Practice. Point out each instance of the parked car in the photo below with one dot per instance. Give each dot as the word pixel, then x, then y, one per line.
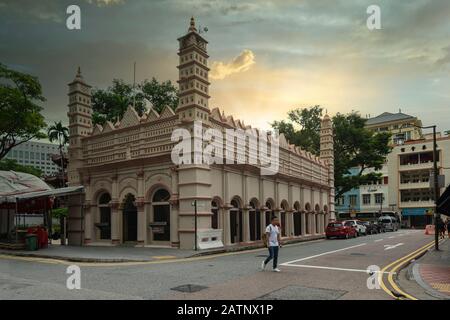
pixel 389 223
pixel 379 226
pixel 358 225
pixel 340 229
pixel 371 228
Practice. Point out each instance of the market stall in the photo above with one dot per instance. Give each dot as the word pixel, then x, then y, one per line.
pixel 24 197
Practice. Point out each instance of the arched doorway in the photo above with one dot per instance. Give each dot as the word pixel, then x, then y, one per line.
pixel 255 220
pixel 161 215
pixel 307 220
pixel 104 224
pixel 269 211
pixel 129 218
pixel 236 234
pixel 297 220
pixel 215 214
pixel 317 218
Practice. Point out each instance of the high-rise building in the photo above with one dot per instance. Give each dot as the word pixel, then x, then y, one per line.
pixel 36 154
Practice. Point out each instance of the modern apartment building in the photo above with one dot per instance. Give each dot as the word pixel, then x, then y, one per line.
pixel 36 154
pixel 410 167
pixel 402 126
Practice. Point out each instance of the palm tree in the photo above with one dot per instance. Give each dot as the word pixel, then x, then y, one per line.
pixel 60 133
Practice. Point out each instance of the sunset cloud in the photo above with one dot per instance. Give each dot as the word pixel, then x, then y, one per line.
pixel 241 63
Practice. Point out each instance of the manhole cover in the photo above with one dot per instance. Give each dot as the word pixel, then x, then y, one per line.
pixel 189 288
pixel 303 293
pixel 357 254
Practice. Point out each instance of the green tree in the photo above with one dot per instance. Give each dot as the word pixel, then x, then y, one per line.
pixel 20 114
pixel 59 133
pixel 12 165
pixel 160 94
pixel 354 145
pixel 111 104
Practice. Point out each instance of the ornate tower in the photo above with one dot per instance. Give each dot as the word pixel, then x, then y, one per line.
pixel 194 182
pixel 327 154
pixel 193 76
pixel 80 124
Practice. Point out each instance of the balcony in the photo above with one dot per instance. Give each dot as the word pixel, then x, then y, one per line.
pixel 416 166
pixel 414 185
pixel 416 204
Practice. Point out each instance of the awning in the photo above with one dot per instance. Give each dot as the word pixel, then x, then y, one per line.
pixel 47 193
pixel 443 203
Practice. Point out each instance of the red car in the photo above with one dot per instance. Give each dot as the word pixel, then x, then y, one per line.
pixel 340 230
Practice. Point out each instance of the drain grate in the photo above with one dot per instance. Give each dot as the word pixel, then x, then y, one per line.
pixel 189 288
pixel 303 293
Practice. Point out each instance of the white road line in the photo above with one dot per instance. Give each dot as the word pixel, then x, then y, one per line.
pixel 331 268
pixel 392 246
pixel 378 240
pixel 391 237
pixel 322 254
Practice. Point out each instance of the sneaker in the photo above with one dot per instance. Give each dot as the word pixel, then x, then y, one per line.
pixel 263 266
pixel 276 270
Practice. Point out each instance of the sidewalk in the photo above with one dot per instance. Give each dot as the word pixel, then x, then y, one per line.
pixel 432 271
pixel 103 253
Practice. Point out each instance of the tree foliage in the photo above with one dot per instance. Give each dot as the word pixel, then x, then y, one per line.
pixel 354 145
pixel 12 165
pixel 110 104
pixel 58 132
pixel 20 114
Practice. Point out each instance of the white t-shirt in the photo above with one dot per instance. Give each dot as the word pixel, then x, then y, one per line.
pixel 273 231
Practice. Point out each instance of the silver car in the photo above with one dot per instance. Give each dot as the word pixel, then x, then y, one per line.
pixel 389 223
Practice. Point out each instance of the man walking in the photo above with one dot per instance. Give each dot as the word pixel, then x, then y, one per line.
pixel 273 244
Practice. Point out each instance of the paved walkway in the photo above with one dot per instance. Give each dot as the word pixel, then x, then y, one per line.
pixel 104 253
pixel 432 271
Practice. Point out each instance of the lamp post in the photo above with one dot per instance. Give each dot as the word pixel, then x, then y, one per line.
pixel 435 182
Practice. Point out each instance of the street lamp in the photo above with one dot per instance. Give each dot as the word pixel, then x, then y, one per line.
pixel 435 181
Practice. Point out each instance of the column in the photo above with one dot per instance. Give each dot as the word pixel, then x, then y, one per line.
pixel 142 223
pixel 246 224
pixel 303 223
pixel 291 224
pixel 115 216
pixel 226 226
pixel 174 209
pixel 263 226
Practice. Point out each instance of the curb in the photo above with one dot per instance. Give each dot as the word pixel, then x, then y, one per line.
pixel 198 254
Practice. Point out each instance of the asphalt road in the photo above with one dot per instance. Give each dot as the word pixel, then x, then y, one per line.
pixel 322 269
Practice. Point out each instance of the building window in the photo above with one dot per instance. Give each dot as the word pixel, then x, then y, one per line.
pixel 378 198
pixel 366 198
pixel 352 199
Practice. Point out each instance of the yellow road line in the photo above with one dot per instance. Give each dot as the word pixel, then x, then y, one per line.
pixel 399 261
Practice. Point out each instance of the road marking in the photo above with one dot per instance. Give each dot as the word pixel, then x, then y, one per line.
pixel 330 268
pixel 405 258
pixel 378 240
pixel 322 254
pixel 391 237
pixel 392 246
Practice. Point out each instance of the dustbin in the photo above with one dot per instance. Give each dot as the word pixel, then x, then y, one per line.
pixel 31 242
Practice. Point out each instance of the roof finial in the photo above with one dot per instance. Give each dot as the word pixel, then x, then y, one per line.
pixel 192 26
pixel 79 72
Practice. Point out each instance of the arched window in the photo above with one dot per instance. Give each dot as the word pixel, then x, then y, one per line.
pixel 104 224
pixel 236 233
pixel 161 215
pixel 255 220
pixel 215 215
pixel 297 219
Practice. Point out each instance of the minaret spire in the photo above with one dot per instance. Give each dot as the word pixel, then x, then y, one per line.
pixel 192 25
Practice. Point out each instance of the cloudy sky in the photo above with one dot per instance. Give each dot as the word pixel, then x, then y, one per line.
pixel 267 56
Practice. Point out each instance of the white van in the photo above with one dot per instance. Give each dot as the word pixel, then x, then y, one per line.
pixel 389 223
